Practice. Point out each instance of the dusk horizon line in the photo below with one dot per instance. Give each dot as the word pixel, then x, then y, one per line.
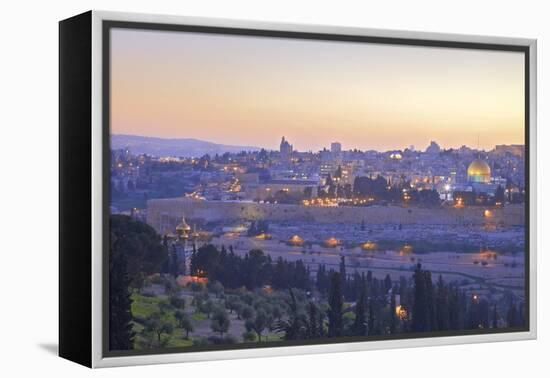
pixel 313 151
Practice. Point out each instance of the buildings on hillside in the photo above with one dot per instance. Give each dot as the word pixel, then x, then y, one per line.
pixel 288 175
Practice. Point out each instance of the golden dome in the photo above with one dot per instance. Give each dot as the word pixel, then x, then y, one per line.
pixel 479 171
pixel 183 226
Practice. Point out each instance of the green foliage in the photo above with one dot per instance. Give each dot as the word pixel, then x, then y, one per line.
pixel 135 252
pixel 121 334
pixel 199 298
pixel 206 307
pixel 336 303
pixel 295 326
pixel 258 323
pixel 186 324
pixel 177 302
pixel 423 300
pixel 157 330
pixel 231 302
pixel 246 312
pixel 143 306
pixel 198 316
pixel 215 287
pixel 141 246
pixel 315 328
pixel 253 270
pixel 360 321
pixel 220 322
pixel 359 305
pixel 249 336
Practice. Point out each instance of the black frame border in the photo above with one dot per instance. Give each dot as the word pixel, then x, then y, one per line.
pixel 108 25
pixel 75 189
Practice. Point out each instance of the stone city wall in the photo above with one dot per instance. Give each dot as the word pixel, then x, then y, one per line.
pixel 163 214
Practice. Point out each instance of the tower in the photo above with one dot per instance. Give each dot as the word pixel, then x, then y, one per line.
pixel 285 149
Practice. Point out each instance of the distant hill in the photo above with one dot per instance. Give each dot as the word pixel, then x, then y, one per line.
pixel 184 147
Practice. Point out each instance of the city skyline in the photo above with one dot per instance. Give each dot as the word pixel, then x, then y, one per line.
pixel 327 147
pixel 371 97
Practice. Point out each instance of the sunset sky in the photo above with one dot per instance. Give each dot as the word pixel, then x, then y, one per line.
pixel 243 90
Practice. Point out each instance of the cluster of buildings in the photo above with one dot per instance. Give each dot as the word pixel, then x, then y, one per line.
pixel 194 200
pixel 461 176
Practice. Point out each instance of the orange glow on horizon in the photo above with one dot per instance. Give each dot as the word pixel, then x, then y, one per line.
pixel 246 90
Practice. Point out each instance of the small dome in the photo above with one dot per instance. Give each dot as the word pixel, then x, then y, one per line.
pixel 331 242
pixel 479 171
pixel 295 240
pixel 369 245
pixel 183 226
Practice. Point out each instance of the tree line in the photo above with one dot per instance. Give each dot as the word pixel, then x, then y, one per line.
pixel 325 303
pixel 424 306
pixel 253 270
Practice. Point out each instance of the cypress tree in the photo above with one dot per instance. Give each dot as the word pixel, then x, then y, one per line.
pixel 369 276
pixel 321 279
pixel 371 330
pixel 495 317
pixel 336 303
pixel 360 324
pixel 121 334
pixel 313 322
pixel 512 316
pixel 430 301
pixel 165 268
pixel 454 309
pixel 343 276
pixel 442 305
pixel 387 283
pixel 420 317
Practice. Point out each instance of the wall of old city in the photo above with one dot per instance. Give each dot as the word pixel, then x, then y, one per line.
pixel 163 214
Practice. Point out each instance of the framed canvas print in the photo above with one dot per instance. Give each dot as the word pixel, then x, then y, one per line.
pixel 238 189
